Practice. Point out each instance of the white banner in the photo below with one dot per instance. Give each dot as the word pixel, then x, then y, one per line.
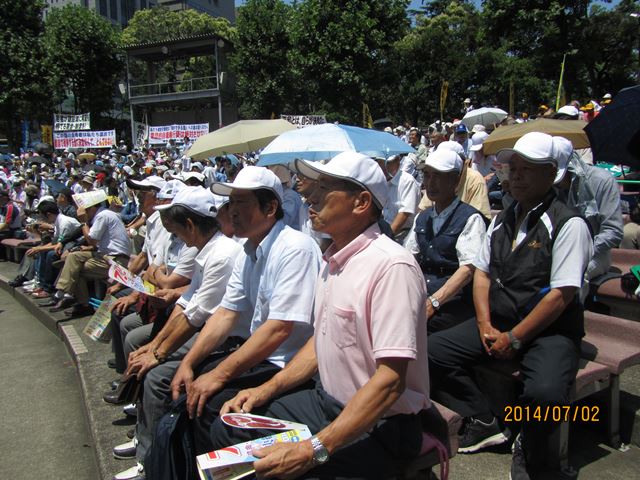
pixel 177 132
pixel 304 120
pixel 141 132
pixel 97 139
pixel 67 123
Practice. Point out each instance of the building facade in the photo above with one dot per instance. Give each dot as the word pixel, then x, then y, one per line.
pixel 119 12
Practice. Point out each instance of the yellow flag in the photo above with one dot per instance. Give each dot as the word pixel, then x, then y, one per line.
pixel 367 121
pixel 47 134
pixel 444 91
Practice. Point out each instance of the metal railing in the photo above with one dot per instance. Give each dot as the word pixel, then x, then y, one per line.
pixel 162 88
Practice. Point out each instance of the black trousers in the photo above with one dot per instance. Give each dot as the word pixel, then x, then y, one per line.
pixel 451 314
pixel 548 366
pixel 381 453
pixel 253 377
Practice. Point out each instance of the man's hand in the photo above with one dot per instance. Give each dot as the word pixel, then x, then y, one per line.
pixel 141 364
pixel 58 249
pixel 141 351
pixel 164 297
pixel 488 335
pixel 284 460
pixel 181 380
pixel 120 306
pixel 113 289
pixel 501 347
pixel 430 309
pixel 81 214
pixel 33 251
pixel 200 391
pixel 246 400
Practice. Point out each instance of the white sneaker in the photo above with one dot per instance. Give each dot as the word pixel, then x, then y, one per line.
pixel 133 473
pixel 131 409
pixel 127 450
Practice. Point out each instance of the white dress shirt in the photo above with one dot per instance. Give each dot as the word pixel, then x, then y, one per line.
pixel 109 231
pixel 276 281
pixel 404 196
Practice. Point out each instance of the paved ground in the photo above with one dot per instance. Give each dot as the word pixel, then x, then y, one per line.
pixel 44 432
pixel 46 435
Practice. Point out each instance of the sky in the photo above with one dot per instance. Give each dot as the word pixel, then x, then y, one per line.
pixel 416 4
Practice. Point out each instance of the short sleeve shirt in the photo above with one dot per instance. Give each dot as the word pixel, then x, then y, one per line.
pixel 370 305
pixel 109 231
pixel 276 281
pixel 404 196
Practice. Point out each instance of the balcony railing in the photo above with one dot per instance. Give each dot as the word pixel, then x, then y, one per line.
pixel 183 86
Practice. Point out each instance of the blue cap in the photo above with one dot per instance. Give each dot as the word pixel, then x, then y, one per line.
pixel 461 128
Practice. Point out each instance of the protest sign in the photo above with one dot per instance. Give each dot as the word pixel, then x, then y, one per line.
pixel 163 134
pixel 89 199
pixel 304 120
pixel 125 277
pixel 89 139
pixel 98 327
pixel 68 123
pixel 236 462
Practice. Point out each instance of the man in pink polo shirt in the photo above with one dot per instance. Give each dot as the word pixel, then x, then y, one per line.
pixel 369 345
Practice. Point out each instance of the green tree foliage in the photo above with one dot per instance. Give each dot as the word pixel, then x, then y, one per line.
pixel 23 93
pixel 82 59
pixel 159 24
pixel 340 52
pixel 264 84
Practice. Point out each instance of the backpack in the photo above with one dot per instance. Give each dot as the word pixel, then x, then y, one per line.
pixel 172 455
pixel 629 282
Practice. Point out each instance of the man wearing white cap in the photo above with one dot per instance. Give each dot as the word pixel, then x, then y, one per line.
pixel 105 238
pixel 192 216
pixel 372 370
pixel 595 193
pixel 272 285
pixel 528 275
pixel 445 239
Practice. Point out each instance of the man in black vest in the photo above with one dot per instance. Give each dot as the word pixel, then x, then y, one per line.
pixel 527 276
pixel 445 239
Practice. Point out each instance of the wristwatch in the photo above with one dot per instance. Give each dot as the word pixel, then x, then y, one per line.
pixel 157 356
pixel 515 343
pixel 434 302
pixel 320 452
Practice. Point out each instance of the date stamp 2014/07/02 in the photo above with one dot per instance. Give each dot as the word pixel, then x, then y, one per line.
pixel 555 413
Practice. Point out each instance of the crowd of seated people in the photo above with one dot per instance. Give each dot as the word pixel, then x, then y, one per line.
pixel 329 294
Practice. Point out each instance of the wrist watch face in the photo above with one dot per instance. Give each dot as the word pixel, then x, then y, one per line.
pixel 320 452
pixel 435 302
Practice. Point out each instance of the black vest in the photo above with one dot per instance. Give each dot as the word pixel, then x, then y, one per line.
pixel 438 257
pixel 520 278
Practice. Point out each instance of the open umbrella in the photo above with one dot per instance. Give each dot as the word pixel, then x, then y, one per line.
pixel 615 132
pixel 507 136
pixel 39 160
pixel 88 156
pixel 240 137
pixel 322 142
pixel 55 186
pixel 485 116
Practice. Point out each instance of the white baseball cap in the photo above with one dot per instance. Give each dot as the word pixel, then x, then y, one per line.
pixel 197 199
pixel 351 166
pixel 478 140
pixel 251 178
pixel 478 128
pixel 535 147
pixel 170 189
pixel 152 182
pixel 564 149
pixel 452 146
pixel 444 161
pixel 569 110
pixel 184 176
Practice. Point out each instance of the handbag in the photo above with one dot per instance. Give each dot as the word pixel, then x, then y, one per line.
pixel 129 390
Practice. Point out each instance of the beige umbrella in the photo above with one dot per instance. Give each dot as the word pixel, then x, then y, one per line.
pixel 87 156
pixel 240 137
pixel 506 136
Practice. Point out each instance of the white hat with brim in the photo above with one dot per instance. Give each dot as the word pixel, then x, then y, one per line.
pixel 444 161
pixel 478 141
pixel 152 182
pixel 452 146
pixel 535 147
pixel 189 175
pixel 251 178
pixel 197 199
pixel 170 189
pixel 353 167
pixel 564 150
pixel 569 110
